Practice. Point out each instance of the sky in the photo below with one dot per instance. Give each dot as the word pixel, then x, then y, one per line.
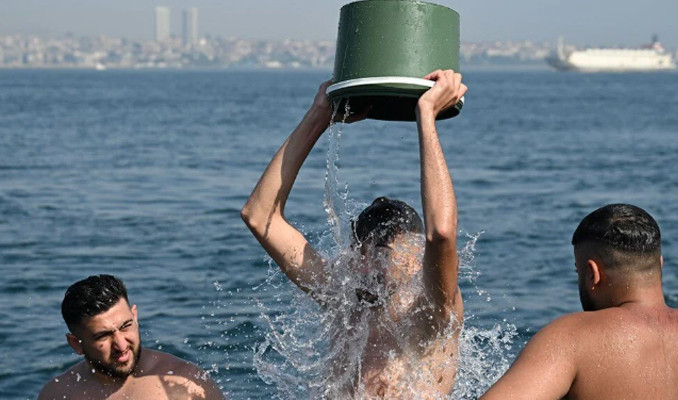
pixel 580 22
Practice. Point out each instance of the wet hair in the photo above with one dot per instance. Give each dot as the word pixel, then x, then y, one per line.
pixel 91 296
pixel 383 220
pixel 622 234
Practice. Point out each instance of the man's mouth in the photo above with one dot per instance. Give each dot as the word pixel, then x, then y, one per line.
pixel 124 356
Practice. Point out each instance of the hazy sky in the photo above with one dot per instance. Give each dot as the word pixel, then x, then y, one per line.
pixel 592 22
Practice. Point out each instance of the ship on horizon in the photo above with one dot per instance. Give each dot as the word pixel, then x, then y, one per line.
pixel 650 57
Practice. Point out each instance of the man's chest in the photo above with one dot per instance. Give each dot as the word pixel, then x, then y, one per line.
pixel 396 367
pixel 160 387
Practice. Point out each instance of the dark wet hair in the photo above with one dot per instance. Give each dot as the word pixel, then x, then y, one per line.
pixel 621 228
pixel 91 296
pixel 383 220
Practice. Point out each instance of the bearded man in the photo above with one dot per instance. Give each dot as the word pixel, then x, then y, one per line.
pixel 103 328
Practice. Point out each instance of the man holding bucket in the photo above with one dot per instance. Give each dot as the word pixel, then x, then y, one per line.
pixel 420 360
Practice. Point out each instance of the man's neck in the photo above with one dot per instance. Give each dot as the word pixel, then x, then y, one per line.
pixel 104 379
pixel 115 381
pixel 647 296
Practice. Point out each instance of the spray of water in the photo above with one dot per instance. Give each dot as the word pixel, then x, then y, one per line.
pixel 485 353
pixel 318 348
pixel 335 201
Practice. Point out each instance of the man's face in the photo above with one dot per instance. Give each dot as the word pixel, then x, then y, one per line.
pixel 397 261
pixel 110 341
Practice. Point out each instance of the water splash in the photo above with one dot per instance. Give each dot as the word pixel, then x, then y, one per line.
pixel 485 353
pixel 335 202
pixel 316 349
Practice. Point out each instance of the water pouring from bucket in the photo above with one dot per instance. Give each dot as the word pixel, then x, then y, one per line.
pixel 385 48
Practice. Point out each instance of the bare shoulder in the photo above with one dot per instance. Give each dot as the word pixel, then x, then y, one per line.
pixel 182 375
pixel 562 334
pixel 609 320
pixel 62 386
pixel 54 389
pixel 579 326
pixel 586 329
pixel 586 321
pixel 551 354
pixel 566 325
pixel 568 336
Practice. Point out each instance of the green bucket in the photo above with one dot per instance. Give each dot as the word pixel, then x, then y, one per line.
pixel 384 48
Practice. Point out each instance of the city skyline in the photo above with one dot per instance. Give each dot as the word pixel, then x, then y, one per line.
pixel 103 52
pixel 603 23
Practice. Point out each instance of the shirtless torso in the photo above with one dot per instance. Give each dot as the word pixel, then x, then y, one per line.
pixel 418 361
pixel 396 351
pixel 158 376
pixel 623 345
pixel 625 352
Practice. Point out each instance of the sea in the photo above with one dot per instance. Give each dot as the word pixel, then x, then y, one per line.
pixel 142 174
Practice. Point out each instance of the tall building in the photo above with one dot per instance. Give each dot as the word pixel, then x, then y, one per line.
pixel 190 26
pixel 162 24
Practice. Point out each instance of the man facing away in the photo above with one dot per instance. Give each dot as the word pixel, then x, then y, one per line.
pixel 623 346
pixel 420 360
pixel 104 329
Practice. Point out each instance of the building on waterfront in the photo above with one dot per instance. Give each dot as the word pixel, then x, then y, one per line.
pixel 162 23
pixel 190 26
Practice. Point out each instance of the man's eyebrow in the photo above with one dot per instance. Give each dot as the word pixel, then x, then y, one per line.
pixel 103 333
pixel 129 321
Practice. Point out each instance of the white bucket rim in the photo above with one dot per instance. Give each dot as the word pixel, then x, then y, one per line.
pixel 380 80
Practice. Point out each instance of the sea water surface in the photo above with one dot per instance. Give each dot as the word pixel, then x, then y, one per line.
pixel 142 174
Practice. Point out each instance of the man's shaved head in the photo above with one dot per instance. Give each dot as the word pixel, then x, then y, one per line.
pixel 623 236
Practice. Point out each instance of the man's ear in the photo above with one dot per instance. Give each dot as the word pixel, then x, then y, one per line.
pixel 75 343
pixel 661 262
pixel 594 271
pixel 134 313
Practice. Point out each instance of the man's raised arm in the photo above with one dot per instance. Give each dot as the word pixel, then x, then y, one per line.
pixel 264 211
pixel 441 264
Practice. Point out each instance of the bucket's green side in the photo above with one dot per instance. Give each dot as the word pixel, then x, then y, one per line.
pixel 395 38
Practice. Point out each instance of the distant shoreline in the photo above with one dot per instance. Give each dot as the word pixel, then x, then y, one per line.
pixel 471 67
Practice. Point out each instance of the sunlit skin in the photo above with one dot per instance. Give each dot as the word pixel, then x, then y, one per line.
pixel 386 376
pixel 621 347
pixel 117 367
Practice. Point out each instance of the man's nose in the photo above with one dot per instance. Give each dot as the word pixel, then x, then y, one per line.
pixel 119 341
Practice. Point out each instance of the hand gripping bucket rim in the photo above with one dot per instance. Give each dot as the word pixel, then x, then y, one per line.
pixel 420 83
pixel 384 47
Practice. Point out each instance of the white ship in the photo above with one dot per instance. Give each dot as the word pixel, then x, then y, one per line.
pixel 651 57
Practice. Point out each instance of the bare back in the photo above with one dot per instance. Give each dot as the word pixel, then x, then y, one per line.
pixel 627 353
pixel 623 352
